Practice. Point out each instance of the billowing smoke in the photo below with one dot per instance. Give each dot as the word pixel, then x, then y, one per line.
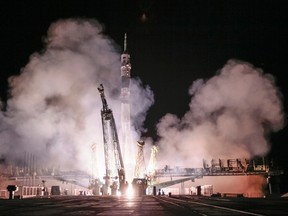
pixel 230 116
pixel 54 109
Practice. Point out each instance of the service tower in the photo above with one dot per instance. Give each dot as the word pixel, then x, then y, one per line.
pixel 128 146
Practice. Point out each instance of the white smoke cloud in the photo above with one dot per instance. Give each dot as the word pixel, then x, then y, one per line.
pixel 54 109
pixel 230 116
pixel 140 108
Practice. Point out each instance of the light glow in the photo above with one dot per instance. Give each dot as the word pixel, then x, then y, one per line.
pixel 130 191
pixel 118 193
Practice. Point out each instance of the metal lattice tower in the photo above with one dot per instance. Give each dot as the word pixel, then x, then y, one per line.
pixel 152 165
pixel 115 175
pixel 140 168
pixel 152 161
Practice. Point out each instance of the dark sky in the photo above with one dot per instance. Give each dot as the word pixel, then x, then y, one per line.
pixel 178 42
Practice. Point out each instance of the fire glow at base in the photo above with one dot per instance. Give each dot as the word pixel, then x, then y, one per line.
pixel 182 140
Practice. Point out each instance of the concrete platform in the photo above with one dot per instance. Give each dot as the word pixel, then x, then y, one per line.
pixel 87 205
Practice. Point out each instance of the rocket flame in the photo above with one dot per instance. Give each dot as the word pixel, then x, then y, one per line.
pixel 54 109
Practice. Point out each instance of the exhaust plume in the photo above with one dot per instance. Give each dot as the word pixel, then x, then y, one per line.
pixel 230 116
pixel 54 109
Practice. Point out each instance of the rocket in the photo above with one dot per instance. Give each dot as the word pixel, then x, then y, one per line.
pixel 125 73
pixel 128 147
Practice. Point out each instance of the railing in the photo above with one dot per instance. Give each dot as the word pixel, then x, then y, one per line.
pixel 203 172
pixel 29 191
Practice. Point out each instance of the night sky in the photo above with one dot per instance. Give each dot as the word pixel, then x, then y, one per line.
pixel 171 43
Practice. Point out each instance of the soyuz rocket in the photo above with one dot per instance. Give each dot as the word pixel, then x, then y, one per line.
pixel 125 73
pixel 128 147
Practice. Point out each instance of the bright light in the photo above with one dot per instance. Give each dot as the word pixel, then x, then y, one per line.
pixel 130 191
pixel 118 193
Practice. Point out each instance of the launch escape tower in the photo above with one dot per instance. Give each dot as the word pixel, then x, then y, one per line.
pixel 115 173
pixel 129 152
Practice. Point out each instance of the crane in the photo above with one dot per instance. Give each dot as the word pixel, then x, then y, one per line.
pixel 115 172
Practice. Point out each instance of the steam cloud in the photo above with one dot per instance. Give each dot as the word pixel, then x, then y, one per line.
pixel 54 109
pixel 230 117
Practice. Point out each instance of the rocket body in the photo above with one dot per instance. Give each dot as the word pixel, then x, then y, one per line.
pixel 129 151
pixel 125 74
